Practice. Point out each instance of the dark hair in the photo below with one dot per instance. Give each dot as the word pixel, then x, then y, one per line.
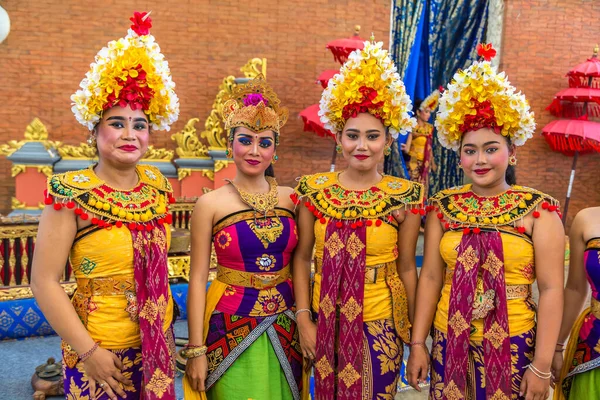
pixel 270 171
pixel 417 104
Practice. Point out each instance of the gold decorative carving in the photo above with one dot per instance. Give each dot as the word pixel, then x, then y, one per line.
pixel 82 152
pixel 17 169
pixel 35 132
pixel 179 267
pixel 182 206
pixel 45 169
pixel 24 292
pixel 209 173
pixel 24 262
pixel 188 143
pixel 16 204
pixel 220 164
pixel 12 262
pixel 254 67
pixel 183 173
pixel 17 231
pixel 213 126
pixel 158 154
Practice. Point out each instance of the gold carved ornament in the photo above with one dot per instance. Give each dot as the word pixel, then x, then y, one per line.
pixel 82 152
pixel 158 154
pixel 188 143
pixel 35 132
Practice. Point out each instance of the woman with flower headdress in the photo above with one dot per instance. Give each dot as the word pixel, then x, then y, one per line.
pixel 490 242
pixel 580 372
pixel 109 221
pixel 364 227
pixel 418 144
pixel 243 341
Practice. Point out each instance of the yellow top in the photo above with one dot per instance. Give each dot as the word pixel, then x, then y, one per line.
pixel 419 142
pixel 105 299
pixel 519 270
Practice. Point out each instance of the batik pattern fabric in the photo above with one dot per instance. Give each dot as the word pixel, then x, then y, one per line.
pixel 120 306
pixel 421 154
pixel 582 355
pixel 358 296
pixel 521 353
pixel 253 296
pixel 485 304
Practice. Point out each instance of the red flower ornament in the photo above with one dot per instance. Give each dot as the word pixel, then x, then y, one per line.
pixel 141 23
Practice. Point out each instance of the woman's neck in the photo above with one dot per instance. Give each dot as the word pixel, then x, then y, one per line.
pixel 251 183
pixel 420 122
pixel 359 180
pixel 123 177
pixel 490 190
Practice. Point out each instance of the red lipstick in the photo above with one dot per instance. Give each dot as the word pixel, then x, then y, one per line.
pixel 253 162
pixel 482 171
pixel 361 157
pixel 128 147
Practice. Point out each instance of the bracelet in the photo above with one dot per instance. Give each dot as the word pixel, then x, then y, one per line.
pixel 88 354
pixel 303 310
pixel 193 351
pixel 422 344
pixel 559 350
pixel 538 373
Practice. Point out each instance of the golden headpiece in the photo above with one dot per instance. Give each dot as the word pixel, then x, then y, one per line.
pixel 131 72
pixel 480 97
pixel 367 82
pixel 254 105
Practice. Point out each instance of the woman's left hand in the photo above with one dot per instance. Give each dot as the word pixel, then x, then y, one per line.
pixel 534 388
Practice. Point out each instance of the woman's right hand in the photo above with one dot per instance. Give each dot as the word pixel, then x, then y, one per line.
pixel 103 369
pixel 308 336
pixel 417 366
pixel 196 370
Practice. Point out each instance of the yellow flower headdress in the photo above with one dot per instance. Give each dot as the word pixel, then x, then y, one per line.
pixel 480 97
pixel 254 105
pixel 130 71
pixel 367 82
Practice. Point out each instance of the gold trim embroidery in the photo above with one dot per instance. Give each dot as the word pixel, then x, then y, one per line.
pixel 493 264
pixel 327 306
pixel 149 312
pixel 323 367
pixel 496 335
pixel 499 395
pixel 349 375
pixel 159 383
pixel 458 323
pixel 468 258
pixel 351 309
pixel 452 392
pixel 334 244
pixel 354 245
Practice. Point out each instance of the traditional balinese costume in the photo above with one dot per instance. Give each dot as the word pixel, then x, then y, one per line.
pixel 357 294
pixel 249 327
pixel 581 368
pixel 484 327
pixel 120 260
pixel 420 152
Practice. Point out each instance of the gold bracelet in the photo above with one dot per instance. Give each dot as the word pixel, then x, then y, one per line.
pixel 193 352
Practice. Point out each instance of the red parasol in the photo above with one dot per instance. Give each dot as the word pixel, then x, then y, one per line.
pixel 341 48
pixel 312 122
pixel 568 136
pixel 582 99
pixel 326 75
pixel 570 102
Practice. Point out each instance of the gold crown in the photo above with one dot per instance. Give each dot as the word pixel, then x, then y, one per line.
pixel 255 106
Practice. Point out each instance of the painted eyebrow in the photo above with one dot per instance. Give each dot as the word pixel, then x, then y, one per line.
pixel 250 136
pixel 485 144
pixel 119 118
pixel 358 131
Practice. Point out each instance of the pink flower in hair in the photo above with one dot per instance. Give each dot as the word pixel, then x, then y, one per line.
pixel 254 98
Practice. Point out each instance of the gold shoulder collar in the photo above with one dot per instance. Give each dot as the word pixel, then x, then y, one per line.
pixel 406 191
pixel 461 206
pixel 152 176
pixel 73 183
pixel 311 183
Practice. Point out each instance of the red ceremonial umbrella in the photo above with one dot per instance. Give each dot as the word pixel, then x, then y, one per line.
pixel 312 122
pixel 576 135
pixel 341 48
pixel 326 75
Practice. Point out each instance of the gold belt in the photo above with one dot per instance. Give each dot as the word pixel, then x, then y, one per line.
pixel 595 308
pixel 256 280
pixel 110 286
pixel 373 273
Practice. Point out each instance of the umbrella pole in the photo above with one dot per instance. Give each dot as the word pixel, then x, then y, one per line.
pixel 333 157
pixel 571 179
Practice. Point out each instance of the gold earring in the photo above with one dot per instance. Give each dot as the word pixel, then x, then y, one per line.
pixel 512 160
pixel 92 140
pixel 387 150
pixel 338 149
pixel 228 153
pixel 459 164
pixel 275 158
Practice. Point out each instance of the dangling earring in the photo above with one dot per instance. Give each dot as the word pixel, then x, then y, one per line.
pixel 459 164
pixel 387 150
pixel 275 158
pixel 512 160
pixel 92 140
pixel 228 153
pixel 338 149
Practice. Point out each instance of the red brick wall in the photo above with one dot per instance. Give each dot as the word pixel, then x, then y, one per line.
pixel 52 43
pixel 543 40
